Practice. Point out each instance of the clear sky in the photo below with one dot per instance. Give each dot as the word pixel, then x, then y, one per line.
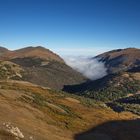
pixel 73 27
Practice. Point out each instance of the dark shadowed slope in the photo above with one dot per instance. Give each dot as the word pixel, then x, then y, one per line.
pixel 113 130
pixel 108 88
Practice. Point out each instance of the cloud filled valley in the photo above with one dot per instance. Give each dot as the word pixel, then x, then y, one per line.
pixel 89 67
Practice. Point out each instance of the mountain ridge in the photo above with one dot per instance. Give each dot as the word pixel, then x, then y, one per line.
pixel 33 105
pixel 120 59
pixel 30 51
pixel 122 79
pixel 40 66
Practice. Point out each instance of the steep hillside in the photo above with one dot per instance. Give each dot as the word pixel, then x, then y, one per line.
pixel 123 76
pixel 113 130
pixel 3 51
pixel 30 112
pixel 110 87
pixel 121 59
pixel 40 66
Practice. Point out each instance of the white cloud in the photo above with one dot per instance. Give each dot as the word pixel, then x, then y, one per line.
pixel 91 68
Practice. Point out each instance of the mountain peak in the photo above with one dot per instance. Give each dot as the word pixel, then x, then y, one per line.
pixel 120 59
pixel 32 52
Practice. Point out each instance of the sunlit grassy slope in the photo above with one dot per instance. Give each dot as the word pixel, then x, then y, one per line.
pixel 43 114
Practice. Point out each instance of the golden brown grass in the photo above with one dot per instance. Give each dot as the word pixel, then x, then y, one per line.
pixel 46 114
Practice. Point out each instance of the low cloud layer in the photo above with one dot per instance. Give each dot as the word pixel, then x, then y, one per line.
pixel 91 68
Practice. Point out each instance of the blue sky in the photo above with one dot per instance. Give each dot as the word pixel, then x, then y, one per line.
pixel 70 27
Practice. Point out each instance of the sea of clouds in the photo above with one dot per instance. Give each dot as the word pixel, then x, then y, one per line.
pixel 89 67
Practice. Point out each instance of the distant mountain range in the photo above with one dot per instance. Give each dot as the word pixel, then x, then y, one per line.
pixel 43 67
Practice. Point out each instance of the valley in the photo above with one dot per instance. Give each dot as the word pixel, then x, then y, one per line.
pixel 70 70
pixel 42 98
